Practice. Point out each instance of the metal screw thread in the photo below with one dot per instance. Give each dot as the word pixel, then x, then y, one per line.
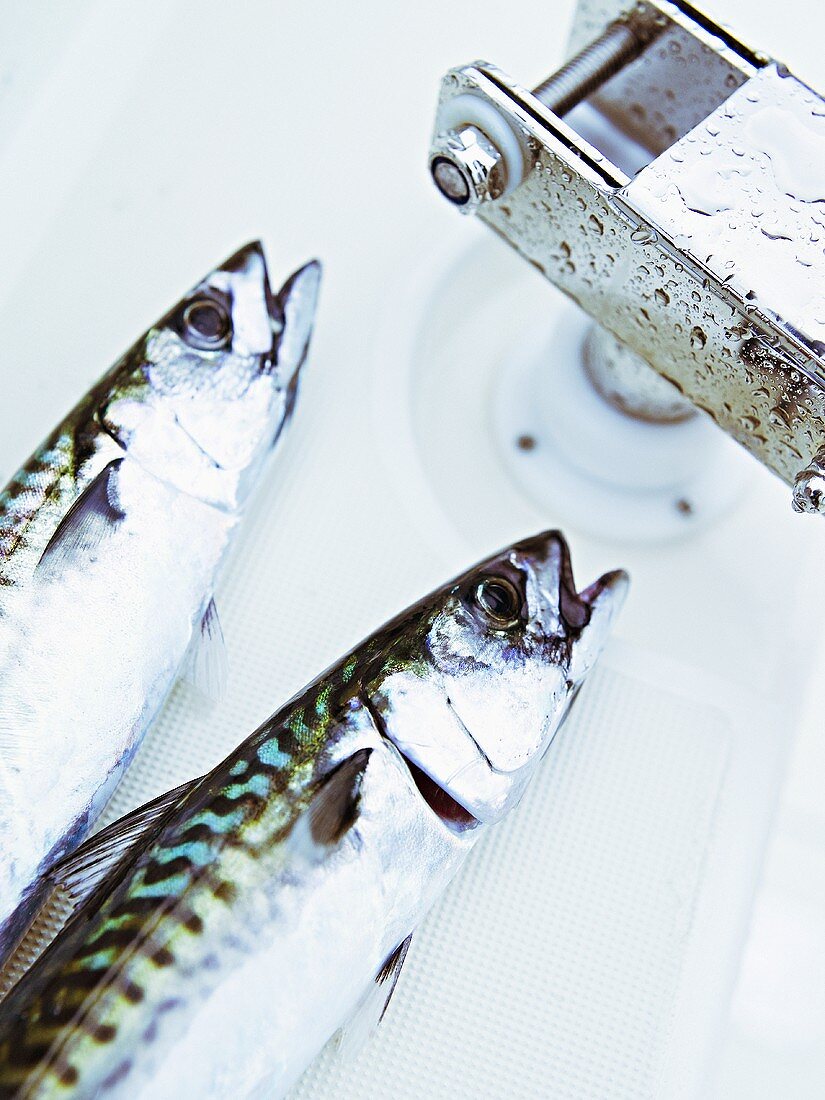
pixel 591 68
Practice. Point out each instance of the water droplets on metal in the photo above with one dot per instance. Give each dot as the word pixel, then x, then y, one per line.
pixel 698 337
pixel 644 234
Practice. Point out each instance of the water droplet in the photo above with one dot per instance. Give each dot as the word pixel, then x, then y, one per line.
pixel 698 337
pixel 643 235
pixel 749 423
pixel 596 224
pixel 661 296
pixel 779 417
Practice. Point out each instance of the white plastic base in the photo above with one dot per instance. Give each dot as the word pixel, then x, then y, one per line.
pixel 604 471
pixel 563 444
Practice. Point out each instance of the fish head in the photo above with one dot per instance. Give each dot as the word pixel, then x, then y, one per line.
pixel 475 682
pixel 202 397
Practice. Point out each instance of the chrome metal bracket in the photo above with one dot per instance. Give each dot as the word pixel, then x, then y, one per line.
pixel 709 262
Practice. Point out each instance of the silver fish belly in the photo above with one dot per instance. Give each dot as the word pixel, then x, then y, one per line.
pixel 111 540
pixel 317 950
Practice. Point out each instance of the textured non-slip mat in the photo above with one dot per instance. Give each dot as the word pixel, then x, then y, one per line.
pixel 554 965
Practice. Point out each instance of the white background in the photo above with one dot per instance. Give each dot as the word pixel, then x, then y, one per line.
pixel 139 144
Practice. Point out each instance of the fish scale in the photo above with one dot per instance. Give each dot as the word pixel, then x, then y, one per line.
pixel 182 887
pixel 112 538
pixel 23 497
pixel 229 928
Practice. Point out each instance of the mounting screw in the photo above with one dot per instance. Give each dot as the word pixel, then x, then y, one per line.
pixel 467 168
pixel 809 486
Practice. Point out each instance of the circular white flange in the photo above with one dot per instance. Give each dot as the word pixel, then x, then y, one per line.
pixel 607 472
pixel 484 414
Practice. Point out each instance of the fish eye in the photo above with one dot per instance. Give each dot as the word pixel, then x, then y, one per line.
pixel 206 324
pixel 500 601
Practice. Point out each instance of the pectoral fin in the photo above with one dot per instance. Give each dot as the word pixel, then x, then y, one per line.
pixel 332 809
pixel 88 522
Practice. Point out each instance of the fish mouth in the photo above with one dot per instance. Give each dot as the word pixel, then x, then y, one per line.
pixel 450 812
pixel 292 312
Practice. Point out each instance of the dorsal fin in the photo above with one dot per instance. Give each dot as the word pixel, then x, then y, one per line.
pixel 69 887
pixel 100 857
pixel 94 514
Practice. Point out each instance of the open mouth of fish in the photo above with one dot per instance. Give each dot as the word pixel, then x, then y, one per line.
pixel 443 805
